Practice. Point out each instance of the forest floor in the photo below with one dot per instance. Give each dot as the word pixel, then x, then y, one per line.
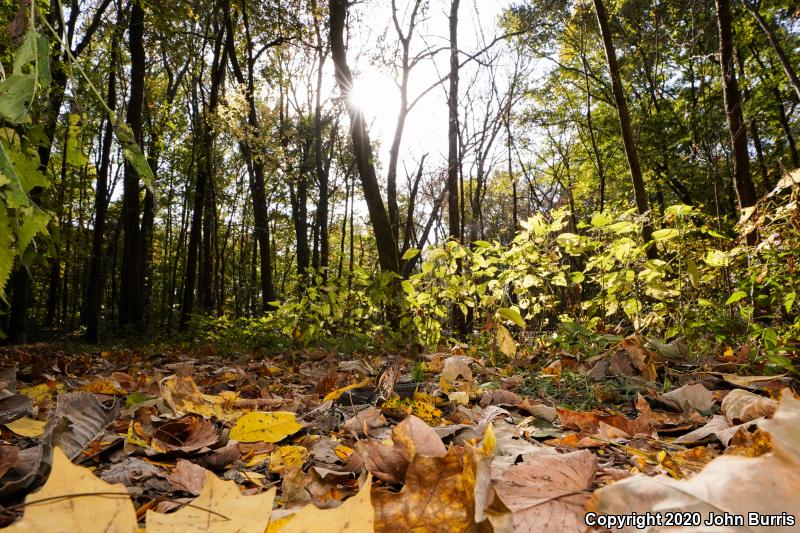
pixel 533 444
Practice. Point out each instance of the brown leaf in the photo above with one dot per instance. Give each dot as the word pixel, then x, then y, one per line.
pixel 438 496
pixel 457 366
pixel 14 407
pixel 718 426
pixel 500 397
pixel 539 410
pixel 547 492
pixel 589 422
pixel 9 458
pixel 418 438
pixel 689 397
pixel 188 477
pixel 386 462
pixel 186 434
pixel 364 421
pixel 743 406
pixel 630 359
pixel 134 472
pixel 726 484
pixel 221 457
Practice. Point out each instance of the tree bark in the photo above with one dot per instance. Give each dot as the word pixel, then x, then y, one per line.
pixel 131 297
pixel 745 191
pixel 94 289
pixel 625 127
pixel 776 45
pixel 388 255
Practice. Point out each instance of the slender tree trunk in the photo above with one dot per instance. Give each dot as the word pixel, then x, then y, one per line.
pixel 776 45
pixel 625 127
pixel 94 289
pixel 131 297
pixel 452 128
pixel 388 255
pixel 745 191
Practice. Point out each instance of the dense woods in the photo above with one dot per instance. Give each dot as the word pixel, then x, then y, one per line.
pixel 214 160
pixel 430 265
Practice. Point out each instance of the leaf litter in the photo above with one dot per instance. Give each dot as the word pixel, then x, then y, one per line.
pixel 176 441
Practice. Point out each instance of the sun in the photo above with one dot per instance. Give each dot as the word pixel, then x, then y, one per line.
pixel 374 94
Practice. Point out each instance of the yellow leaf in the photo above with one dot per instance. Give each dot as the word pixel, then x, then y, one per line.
pixel 355 515
pixel 183 396
pixel 425 411
pixel 103 387
pixel 27 427
pixel 243 514
pixel 336 394
pixel 265 427
pixel 505 342
pixel 90 512
pixel 489 440
pixel 286 458
pixel 37 393
pixel 257 459
pixel 342 451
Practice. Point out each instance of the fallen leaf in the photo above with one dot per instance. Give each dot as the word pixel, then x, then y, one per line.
pixel 74 499
pixel 457 366
pixel 104 386
pixel 438 495
pixel 418 438
pixel 286 458
pixel 334 395
pixel 183 396
pixel 220 508
pixel 14 407
pixel 741 406
pixel 188 477
pixel 718 426
pixel 752 382
pixel 186 434
pixel 78 419
pixel 27 427
pixel 355 515
pixel 265 427
pixel 547 492
pixel 726 484
pixel 9 458
pixel 689 397
pixel 366 420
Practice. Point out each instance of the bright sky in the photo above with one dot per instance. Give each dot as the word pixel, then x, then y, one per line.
pixel 426 126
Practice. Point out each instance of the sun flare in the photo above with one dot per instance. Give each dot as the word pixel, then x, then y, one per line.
pixel 374 95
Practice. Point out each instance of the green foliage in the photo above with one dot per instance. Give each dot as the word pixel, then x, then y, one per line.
pixel 21 220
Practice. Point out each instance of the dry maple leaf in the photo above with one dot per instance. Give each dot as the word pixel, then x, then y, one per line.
pixel 547 492
pixel 439 494
pixel 220 508
pixel 74 499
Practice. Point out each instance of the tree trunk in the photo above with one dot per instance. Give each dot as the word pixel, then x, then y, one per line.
pixel 625 127
pixel 776 45
pixel 388 255
pixel 131 297
pixel 452 128
pixel 745 191
pixel 94 289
